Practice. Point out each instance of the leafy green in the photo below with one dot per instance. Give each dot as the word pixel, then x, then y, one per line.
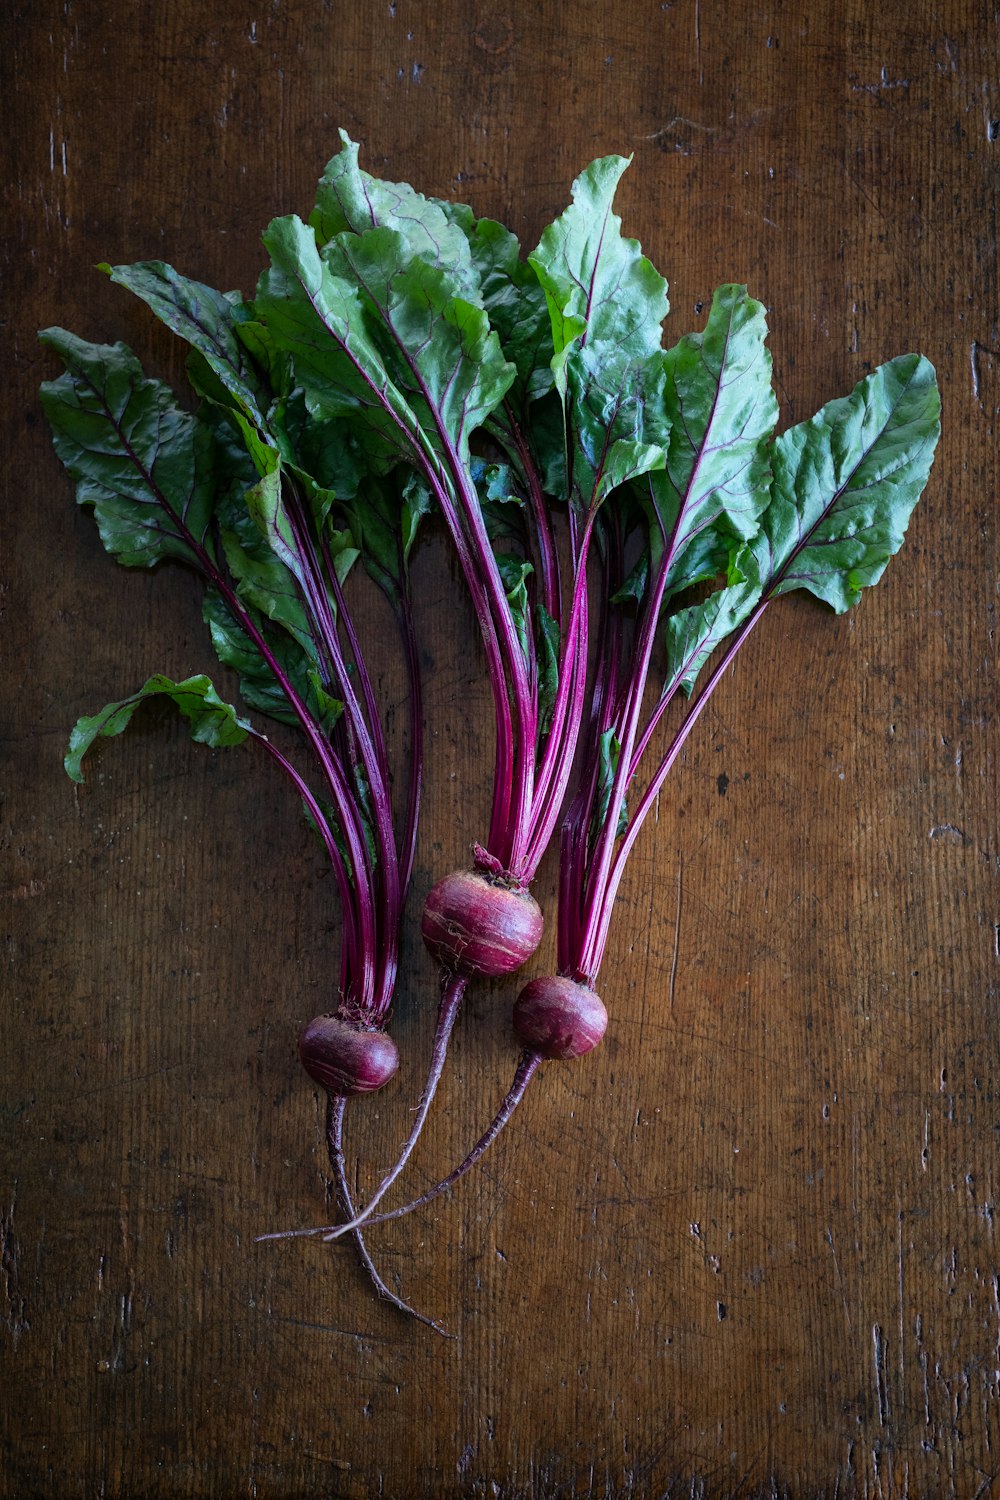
pixel 599 287
pixel 709 402
pixel 141 462
pixel 517 307
pixel 547 634
pixel 208 320
pixel 608 755
pixel 261 688
pixel 515 573
pixel 846 482
pixel 350 201
pixel 693 633
pixel 606 305
pixel 383 340
pixel 211 721
pixel 844 486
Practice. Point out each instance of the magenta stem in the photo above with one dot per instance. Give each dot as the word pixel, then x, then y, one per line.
pixel 567 712
pixel 511 674
pixel 597 936
pixel 408 839
pixel 429 465
pixel 526 1070
pixel 335 1106
pixel 366 737
pixel 548 556
pixel 452 992
pixel 363 675
pixel 350 937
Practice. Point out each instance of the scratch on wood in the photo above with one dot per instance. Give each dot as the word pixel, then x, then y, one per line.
pixel 24 892
pixel 679 120
pixel 17 1320
pixel 948 831
pixel 828 1236
pixel 975 349
pixel 918 1334
pixel 899 1278
pixel 323 1458
pixel 677 930
pixel 881 1390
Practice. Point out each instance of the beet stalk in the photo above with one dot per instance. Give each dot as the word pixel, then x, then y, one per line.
pixel 838 492
pixel 224 492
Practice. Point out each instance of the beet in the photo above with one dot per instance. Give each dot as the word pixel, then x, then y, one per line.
pixel 475 924
pixel 346 1058
pixel 559 1017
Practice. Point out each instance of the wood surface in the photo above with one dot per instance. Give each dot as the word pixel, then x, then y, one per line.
pixel 747 1248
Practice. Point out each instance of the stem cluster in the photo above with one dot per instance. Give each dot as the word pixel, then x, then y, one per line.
pixel 399 357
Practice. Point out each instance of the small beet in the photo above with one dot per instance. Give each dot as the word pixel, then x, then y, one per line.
pixel 346 1058
pixel 558 1017
pixel 473 924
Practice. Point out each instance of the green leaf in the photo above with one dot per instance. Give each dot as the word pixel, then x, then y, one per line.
pixel 709 400
pixel 416 504
pixel 259 686
pixel 349 201
pixel 211 721
pixel 500 501
pixel 606 304
pixel 322 449
pixel 608 751
pixel 143 463
pixel 517 307
pixel 263 581
pixel 383 342
pixel 208 320
pixel 624 461
pixel 547 636
pixel 692 634
pixel 437 346
pixel 265 507
pixel 599 286
pixel 633 587
pixel 846 482
pixel 515 572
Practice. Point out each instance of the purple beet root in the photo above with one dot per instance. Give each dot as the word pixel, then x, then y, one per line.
pixel 558 1017
pixel 346 1058
pixel 475 925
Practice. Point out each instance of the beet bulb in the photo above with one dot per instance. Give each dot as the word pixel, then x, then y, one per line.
pixel 474 924
pixel 558 1017
pixel 346 1058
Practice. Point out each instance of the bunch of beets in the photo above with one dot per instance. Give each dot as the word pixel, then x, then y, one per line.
pixel 400 363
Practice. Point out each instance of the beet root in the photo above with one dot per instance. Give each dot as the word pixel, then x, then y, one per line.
pixel 559 1017
pixel 476 925
pixel 346 1058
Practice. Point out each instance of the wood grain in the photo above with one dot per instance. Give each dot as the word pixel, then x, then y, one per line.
pixel 748 1247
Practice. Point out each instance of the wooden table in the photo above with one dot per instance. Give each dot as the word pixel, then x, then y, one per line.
pixel 749 1246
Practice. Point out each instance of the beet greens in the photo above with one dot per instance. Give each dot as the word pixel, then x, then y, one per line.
pixel 400 358
pixel 418 326
pixel 241 491
pixel 822 507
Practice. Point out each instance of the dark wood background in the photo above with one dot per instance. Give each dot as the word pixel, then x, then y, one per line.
pixel 749 1246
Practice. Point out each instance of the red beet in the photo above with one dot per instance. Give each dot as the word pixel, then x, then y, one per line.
pixel 346 1058
pixel 474 924
pixel 558 1017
